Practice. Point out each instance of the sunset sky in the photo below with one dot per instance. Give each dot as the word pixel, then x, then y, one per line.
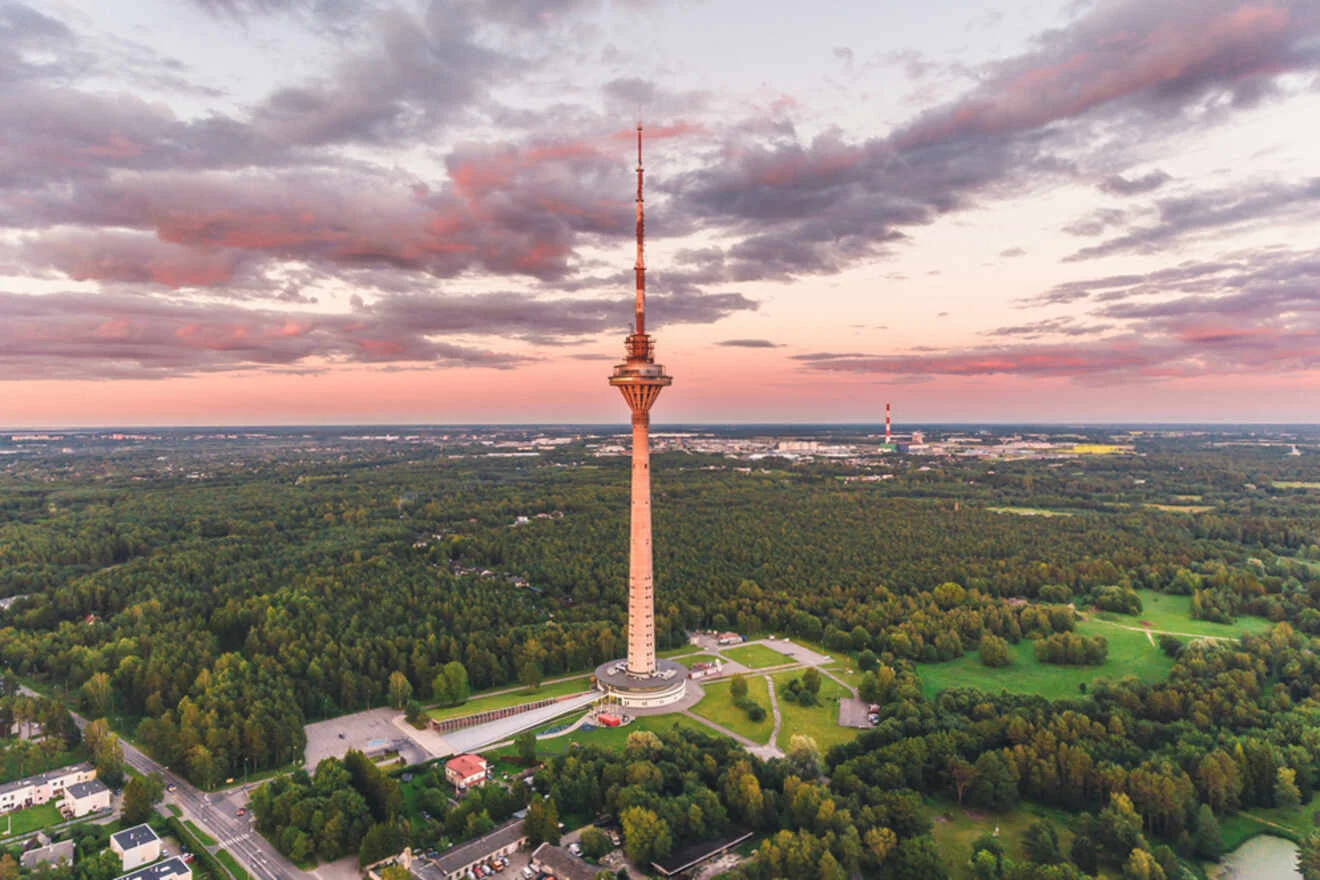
pixel 332 211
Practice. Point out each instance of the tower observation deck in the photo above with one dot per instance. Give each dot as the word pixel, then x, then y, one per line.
pixel 641 680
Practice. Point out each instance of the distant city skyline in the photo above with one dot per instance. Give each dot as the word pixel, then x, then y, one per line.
pixel 300 212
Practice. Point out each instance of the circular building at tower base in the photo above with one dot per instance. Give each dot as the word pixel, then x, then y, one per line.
pixel 664 686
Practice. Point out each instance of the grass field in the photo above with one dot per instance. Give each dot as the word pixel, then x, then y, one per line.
pixel 1173 613
pixel 954 830
pixel 718 707
pixel 1181 508
pixel 820 722
pixel 1130 653
pixel 847 673
pixel 756 656
pixel 678 652
pixel 690 659
pixel 606 737
pixel 512 698
pixel 201 835
pixel 1295 484
pixel 1028 511
pixel 23 821
pixel 1296 824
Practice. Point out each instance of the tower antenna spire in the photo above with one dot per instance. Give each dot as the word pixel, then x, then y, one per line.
pixel 640 267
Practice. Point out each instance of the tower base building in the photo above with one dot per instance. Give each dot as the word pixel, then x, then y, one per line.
pixel 666 684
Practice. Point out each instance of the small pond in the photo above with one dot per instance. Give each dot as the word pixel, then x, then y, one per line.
pixel 1262 858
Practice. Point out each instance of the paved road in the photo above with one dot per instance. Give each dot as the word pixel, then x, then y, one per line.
pixel 214 814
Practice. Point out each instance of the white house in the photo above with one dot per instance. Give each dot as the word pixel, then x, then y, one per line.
pixel 170 869
pixel 83 798
pixel 35 790
pixel 465 771
pixel 136 846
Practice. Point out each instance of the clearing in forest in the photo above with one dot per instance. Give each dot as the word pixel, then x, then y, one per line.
pixel 718 707
pixel 756 656
pixel 820 722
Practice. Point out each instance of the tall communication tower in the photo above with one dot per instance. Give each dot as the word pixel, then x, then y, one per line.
pixel 641 680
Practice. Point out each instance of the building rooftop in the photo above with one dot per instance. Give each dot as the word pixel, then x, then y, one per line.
pixel 48 776
pixel 166 870
pixel 695 853
pixel 562 863
pixel 86 789
pixel 466 765
pixel 461 856
pixel 133 837
pixel 52 853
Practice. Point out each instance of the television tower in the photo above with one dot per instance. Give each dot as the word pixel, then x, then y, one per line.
pixel 640 379
pixel 887 435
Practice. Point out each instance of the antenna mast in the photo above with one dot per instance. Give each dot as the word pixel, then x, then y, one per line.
pixel 640 267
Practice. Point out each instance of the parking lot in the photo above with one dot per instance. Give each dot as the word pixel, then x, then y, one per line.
pixel 853 713
pixel 362 731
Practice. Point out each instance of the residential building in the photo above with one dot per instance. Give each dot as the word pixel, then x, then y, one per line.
pixel 136 846
pixel 50 854
pixel 455 863
pixel 728 638
pixel 561 863
pixel 173 868
pixel 41 788
pixel 465 771
pixel 83 798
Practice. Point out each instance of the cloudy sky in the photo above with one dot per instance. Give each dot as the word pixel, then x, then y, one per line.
pixel 300 211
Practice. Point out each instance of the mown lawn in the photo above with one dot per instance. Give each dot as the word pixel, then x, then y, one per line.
pixel 606 737
pixel 678 652
pixel 201 835
pixel 820 722
pixel 23 821
pixel 690 659
pixel 756 656
pixel 513 698
pixel 1130 653
pixel 232 865
pixel 718 706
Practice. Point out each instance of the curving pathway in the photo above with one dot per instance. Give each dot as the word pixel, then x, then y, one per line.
pixel 774 711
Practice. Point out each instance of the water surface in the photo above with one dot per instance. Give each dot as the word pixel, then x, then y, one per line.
pixel 1262 858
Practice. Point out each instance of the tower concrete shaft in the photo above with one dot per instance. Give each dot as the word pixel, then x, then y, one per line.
pixel 640 379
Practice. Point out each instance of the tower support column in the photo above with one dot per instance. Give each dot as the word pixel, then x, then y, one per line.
pixel 641 586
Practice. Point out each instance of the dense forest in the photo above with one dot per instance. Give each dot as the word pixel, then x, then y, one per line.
pixel 211 608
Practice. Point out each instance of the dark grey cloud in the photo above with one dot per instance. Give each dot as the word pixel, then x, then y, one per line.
pixel 1130 55
pixel 1213 211
pixel 1257 311
pixel 1061 326
pixel 1097 222
pixel 1118 185
pixel 749 343
pixel 116 335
